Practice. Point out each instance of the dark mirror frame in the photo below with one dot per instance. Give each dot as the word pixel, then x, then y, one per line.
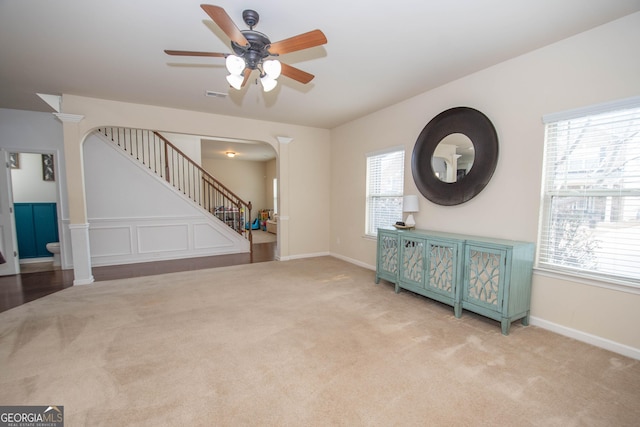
pixel 480 130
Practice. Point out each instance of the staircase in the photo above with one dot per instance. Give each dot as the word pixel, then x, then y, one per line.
pixel 165 160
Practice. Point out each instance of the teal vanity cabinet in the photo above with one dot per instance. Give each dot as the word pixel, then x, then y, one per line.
pixel 497 280
pixel 387 259
pixel 491 277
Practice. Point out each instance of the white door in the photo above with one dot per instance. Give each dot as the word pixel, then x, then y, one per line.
pixel 8 240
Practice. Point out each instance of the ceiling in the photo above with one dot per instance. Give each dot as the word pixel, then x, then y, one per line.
pixel 376 55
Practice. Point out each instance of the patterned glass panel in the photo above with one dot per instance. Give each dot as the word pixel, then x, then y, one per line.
pixel 484 276
pixel 389 253
pixel 412 261
pixel 441 268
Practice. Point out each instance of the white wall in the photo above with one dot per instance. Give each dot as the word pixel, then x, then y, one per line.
pixel 34 132
pixel 189 145
pixel 27 183
pixel 303 160
pixel 245 178
pixel 593 67
pixel 135 216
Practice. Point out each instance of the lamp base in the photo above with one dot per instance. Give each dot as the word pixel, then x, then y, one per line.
pixel 410 222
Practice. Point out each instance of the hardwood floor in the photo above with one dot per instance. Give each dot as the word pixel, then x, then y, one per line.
pixel 28 286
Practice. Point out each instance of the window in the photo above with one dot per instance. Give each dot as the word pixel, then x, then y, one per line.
pixel 385 185
pixel 590 211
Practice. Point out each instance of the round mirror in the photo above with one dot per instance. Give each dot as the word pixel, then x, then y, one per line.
pixel 455 156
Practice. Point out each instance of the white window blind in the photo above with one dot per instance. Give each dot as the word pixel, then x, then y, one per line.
pixel 590 212
pixel 385 186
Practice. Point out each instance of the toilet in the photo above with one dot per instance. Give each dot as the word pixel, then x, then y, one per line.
pixel 54 248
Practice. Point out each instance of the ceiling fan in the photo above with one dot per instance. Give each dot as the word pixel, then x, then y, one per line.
pixel 252 50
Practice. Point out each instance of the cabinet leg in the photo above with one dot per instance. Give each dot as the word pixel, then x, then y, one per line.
pixel 397 289
pixel 457 310
pixel 506 325
pixel 525 320
pixel 377 280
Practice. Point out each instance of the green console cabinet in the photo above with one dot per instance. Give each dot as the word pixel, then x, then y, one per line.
pixel 429 266
pixel 491 277
pixel 388 250
pixel 497 279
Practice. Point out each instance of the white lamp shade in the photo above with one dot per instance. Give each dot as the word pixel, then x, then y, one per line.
pixel 273 68
pixel 268 83
pixel 235 81
pixel 410 204
pixel 235 64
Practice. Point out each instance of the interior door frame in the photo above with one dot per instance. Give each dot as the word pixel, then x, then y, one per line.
pixel 8 235
pixel 8 186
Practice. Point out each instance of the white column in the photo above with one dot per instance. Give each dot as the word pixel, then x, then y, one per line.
pixel 78 222
pixel 82 274
pixel 283 197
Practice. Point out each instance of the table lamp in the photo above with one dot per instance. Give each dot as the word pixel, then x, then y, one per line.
pixel 410 205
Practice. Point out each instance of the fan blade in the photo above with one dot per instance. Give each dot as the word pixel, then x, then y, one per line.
pixel 299 42
pixel 296 73
pixel 190 53
pixel 247 73
pixel 225 23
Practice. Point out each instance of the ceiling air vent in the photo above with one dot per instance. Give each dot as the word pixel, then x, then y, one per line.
pixel 214 94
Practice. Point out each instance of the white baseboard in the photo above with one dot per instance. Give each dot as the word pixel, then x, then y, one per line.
pixel 88 281
pixel 288 258
pixel 354 261
pixel 36 260
pixel 597 341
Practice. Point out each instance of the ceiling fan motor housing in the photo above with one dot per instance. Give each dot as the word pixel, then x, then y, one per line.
pixel 257 50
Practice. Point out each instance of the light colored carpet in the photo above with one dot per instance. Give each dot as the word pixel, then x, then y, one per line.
pixel 310 342
pixel 260 236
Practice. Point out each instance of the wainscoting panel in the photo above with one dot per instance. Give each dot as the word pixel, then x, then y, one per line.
pixel 129 240
pixel 111 241
pixel 207 237
pixel 163 238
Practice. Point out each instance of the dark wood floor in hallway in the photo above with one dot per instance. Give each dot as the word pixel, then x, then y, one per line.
pixel 22 288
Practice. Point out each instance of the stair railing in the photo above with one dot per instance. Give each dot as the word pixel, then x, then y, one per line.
pixel 167 161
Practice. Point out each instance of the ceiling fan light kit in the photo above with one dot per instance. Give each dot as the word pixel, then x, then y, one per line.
pixel 235 64
pixel 268 83
pixel 235 80
pixel 273 68
pixel 252 48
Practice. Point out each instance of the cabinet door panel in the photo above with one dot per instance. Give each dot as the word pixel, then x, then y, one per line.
pixel 388 253
pixel 412 253
pixel 442 268
pixel 484 277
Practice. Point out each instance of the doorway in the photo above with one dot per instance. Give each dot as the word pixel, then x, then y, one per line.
pixel 34 197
